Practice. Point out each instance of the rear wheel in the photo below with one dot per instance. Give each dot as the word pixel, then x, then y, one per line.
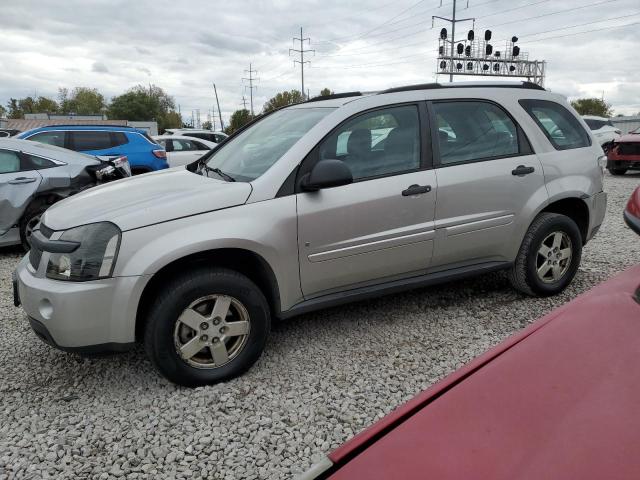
pixel 207 326
pixel 617 171
pixel 549 256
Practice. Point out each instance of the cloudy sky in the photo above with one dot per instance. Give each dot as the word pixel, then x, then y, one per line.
pixel 591 46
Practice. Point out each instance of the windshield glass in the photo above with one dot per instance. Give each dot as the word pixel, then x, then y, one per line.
pixel 251 153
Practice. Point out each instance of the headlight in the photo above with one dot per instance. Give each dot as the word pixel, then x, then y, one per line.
pixel 93 259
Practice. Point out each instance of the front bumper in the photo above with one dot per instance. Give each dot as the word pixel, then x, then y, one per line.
pixel 79 316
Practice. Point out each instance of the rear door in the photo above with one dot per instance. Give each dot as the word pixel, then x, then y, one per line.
pixel 380 227
pixel 489 182
pixel 97 142
pixel 17 188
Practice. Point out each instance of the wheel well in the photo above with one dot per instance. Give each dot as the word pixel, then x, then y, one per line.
pixel 575 209
pixel 242 261
pixel 139 170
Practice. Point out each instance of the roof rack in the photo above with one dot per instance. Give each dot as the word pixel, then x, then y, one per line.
pixel 110 125
pixel 433 86
pixel 334 95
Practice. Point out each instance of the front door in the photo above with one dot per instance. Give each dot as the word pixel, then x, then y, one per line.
pixel 489 183
pixel 380 227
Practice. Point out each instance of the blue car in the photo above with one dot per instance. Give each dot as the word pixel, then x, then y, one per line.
pixel 144 154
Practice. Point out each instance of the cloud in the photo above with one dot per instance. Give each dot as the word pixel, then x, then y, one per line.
pixel 99 67
pixel 359 45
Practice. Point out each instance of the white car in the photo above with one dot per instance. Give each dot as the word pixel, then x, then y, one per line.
pixel 182 150
pixel 212 136
pixel 602 128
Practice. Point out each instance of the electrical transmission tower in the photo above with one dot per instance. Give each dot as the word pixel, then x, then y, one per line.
pixel 244 102
pixel 251 79
pixel 302 61
pixel 453 22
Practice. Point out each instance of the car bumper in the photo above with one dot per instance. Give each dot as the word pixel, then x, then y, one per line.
pixel 90 316
pixel 597 207
pixel 632 221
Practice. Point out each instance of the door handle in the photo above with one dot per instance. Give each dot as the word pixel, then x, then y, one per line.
pixel 19 180
pixel 416 190
pixel 521 170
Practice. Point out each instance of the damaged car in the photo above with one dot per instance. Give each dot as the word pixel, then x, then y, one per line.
pixel 34 176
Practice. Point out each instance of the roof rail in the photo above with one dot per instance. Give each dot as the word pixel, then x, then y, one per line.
pixel 110 125
pixel 432 86
pixel 334 95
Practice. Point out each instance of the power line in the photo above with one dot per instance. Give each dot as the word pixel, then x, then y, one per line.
pixel 586 31
pixel 514 9
pixel 302 61
pixel 251 79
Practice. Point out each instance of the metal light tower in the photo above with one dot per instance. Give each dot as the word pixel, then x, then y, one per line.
pixel 453 22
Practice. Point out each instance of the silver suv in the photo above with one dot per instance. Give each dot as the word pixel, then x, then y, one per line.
pixel 317 204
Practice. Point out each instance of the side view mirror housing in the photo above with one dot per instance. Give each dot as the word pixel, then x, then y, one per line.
pixel 326 174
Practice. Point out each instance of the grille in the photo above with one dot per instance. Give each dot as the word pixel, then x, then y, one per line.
pixel 35 254
pixel 629 148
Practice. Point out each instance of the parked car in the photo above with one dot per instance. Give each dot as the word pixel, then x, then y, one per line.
pixel 624 154
pixel 602 129
pixel 182 150
pixel 143 153
pixel 34 176
pixel 557 400
pixel 274 222
pixel 8 132
pixel 211 136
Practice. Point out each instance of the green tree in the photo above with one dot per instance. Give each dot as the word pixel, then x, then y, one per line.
pixel 145 104
pixel 239 119
pixel 14 109
pixel 3 112
pixel 81 101
pixel 283 99
pixel 207 125
pixel 18 107
pixel 592 106
pixel 325 92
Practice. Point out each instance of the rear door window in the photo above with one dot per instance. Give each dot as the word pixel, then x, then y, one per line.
pixel 559 125
pixel 118 138
pixel 87 140
pixel 55 137
pixel 470 131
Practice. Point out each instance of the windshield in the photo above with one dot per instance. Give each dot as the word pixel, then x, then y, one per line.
pixel 252 152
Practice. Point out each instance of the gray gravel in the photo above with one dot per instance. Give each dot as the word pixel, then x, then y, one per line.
pixel 324 377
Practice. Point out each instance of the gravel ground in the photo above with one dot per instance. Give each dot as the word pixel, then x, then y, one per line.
pixel 324 377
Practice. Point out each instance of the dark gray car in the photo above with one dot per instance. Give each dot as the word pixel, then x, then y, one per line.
pixel 34 176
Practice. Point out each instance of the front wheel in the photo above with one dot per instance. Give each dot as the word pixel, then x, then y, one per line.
pixel 28 224
pixel 549 256
pixel 207 326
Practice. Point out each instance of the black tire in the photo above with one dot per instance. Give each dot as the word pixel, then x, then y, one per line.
pixel 617 171
pixel 28 221
pixel 179 293
pixel 524 275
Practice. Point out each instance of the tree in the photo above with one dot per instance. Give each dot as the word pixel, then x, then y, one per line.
pixel 325 92
pixel 18 107
pixel 13 109
pixel 146 104
pixel 239 119
pixel 3 112
pixel 283 99
pixel 592 106
pixel 81 101
pixel 207 125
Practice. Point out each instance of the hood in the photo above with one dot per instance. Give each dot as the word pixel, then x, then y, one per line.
pixel 628 138
pixel 146 199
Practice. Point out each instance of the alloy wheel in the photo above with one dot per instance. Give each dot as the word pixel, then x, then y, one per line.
pixel 553 258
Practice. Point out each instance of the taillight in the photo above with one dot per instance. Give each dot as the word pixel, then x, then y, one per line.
pixel 160 153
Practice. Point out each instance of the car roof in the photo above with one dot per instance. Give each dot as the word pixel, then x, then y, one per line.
pixel 184 137
pixel 594 117
pixel 108 128
pixel 558 399
pixel 47 151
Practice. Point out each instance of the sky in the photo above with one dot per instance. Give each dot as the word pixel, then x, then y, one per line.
pixel 591 46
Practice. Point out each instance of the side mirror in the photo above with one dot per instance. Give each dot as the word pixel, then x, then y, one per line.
pixel 327 174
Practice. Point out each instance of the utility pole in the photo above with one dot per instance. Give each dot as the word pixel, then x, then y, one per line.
pixel 453 22
pixel 218 103
pixel 244 102
pixel 302 51
pixel 251 79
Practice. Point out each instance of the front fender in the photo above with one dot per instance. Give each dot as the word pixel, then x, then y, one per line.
pixel 267 229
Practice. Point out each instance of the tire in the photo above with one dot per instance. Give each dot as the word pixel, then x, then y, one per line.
pixel 193 297
pixel 28 221
pixel 617 171
pixel 547 227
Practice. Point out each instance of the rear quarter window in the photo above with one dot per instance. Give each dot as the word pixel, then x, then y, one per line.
pixel 558 124
pixel 118 139
pixel 87 140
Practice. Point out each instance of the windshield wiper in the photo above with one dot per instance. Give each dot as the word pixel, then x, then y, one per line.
pixel 219 172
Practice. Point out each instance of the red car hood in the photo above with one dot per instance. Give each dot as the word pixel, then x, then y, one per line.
pixel 628 138
pixel 561 399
